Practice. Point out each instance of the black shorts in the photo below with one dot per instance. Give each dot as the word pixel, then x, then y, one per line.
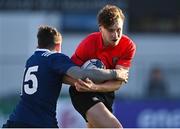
pixel 83 101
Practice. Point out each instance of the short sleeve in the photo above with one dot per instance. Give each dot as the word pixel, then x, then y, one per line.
pixel 128 55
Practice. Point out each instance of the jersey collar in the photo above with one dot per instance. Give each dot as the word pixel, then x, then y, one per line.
pixel 40 49
pixel 44 50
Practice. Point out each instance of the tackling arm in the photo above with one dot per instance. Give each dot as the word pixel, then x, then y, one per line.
pixel 97 75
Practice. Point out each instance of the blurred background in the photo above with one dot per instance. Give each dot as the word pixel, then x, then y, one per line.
pixel 151 98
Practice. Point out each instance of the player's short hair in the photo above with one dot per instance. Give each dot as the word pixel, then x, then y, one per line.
pixel 109 14
pixel 48 37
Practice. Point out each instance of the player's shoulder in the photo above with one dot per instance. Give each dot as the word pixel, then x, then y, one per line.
pixel 59 59
pixel 57 55
pixel 126 39
pixel 93 36
pixel 50 54
pixel 90 40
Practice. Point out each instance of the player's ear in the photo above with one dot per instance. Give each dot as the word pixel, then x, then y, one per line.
pixel 58 47
pixel 100 28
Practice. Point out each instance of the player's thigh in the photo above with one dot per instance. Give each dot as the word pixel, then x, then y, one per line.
pixel 100 117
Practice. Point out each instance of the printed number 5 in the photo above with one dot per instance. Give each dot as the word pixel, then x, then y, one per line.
pixel 29 76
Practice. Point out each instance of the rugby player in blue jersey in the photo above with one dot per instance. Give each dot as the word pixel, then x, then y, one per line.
pixel 45 71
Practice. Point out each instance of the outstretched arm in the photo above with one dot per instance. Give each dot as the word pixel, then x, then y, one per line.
pixel 88 85
pixel 97 75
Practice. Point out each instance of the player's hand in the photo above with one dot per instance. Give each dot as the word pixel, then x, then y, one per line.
pixel 85 86
pixel 122 74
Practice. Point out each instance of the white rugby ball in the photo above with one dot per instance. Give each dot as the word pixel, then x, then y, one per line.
pixel 93 63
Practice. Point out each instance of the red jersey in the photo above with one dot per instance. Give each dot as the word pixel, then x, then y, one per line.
pixel 92 48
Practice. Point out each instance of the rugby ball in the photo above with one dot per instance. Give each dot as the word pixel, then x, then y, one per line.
pixel 93 63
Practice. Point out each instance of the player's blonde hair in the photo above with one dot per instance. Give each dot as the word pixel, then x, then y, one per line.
pixel 109 14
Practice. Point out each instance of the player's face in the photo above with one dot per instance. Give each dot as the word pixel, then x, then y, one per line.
pixel 112 35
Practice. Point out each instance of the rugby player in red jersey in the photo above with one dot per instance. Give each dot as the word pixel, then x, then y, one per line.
pixel 116 51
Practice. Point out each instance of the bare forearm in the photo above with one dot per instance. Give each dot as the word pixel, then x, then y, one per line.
pixel 69 80
pixel 108 86
pixel 96 75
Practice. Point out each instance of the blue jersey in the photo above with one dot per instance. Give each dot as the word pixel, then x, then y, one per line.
pixel 41 87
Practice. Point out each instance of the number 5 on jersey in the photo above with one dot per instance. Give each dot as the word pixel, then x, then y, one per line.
pixel 30 76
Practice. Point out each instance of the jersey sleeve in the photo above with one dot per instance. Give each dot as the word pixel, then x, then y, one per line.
pixel 128 55
pixel 60 63
pixel 82 52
